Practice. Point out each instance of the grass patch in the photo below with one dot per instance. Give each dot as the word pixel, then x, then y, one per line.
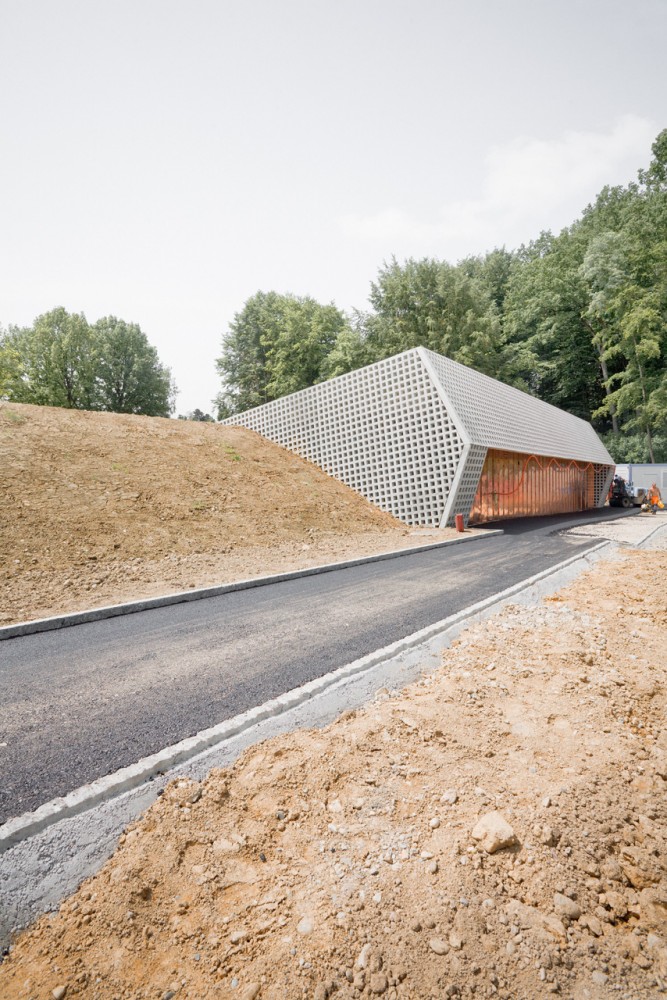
pixel 12 417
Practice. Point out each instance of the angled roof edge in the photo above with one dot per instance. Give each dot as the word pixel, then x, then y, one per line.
pixel 423 353
pixel 500 416
pixel 484 411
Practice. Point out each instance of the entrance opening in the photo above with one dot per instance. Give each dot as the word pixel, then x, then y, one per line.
pixel 516 485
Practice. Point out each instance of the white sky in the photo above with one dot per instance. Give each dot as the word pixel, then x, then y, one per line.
pixel 163 160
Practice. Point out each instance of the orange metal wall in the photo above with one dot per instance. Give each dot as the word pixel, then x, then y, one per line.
pixel 515 485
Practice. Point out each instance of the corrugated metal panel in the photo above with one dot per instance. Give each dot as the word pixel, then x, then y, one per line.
pixel 516 485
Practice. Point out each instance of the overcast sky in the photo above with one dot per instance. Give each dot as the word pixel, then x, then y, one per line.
pixel 163 160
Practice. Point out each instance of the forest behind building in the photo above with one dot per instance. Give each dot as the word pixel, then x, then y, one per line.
pixel 579 319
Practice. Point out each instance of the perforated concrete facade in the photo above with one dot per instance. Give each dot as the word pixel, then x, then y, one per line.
pixel 496 415
pixel 603 477
pixel 411 433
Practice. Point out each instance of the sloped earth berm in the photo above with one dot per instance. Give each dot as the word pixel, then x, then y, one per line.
pixel 103 508
pixel 349 862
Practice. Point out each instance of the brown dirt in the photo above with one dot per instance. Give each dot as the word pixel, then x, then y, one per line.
pixel 342 863
pixel 102 508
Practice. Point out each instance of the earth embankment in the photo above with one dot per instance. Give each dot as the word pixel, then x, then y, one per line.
pixel 102 508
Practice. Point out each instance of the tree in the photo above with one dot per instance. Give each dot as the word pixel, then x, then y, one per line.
pixel 275 345
pixel 625 268
pixel 130 377
pixel 197 415
pixel 545 311
pixel 635 335
pixel 654 180
pixel 603 271
pixel 492 271
pixel 307 334
pixel 433 304
pixel 62 361
pixel 10 362
pixel 411 306
pixel 242 365
pixel 52 362
pixel 350 351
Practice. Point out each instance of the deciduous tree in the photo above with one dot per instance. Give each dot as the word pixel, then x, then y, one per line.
pixel 62 361
pixel 277 344
pixel 129 375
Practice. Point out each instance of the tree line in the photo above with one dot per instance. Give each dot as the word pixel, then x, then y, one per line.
pixel 62 360
pixel 578 319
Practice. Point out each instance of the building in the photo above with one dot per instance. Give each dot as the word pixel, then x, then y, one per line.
pixel 641 475
pixel 426 438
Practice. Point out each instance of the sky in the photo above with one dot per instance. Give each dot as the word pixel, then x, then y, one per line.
pixel 163 160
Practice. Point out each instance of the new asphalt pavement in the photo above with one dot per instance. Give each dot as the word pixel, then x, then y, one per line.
pixel 81 702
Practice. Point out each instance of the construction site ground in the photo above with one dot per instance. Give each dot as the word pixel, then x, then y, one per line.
pixel 496 829
pixel 103 508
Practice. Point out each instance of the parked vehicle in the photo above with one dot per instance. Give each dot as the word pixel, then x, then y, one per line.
pixel 641 476
pixel 620 494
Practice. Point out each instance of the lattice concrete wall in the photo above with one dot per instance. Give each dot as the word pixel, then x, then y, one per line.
pixel 411 433
pixel 601 483
pixel 465 488
pixel 499 416
pixel 383 430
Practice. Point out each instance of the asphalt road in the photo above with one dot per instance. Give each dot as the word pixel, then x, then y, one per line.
pixel 81 702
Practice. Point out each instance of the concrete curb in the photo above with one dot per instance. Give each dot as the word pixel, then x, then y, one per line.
pixel 82 799
pixel 657 528
pixel 181 597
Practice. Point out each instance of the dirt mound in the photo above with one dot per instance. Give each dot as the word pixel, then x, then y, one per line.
pixel 498 829
pixel 101 507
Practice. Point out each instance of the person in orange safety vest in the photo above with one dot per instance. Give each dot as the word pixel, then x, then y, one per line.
pixel 653 497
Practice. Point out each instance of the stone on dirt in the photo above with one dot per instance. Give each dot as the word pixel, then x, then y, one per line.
pixel 439 946
pixel 494 832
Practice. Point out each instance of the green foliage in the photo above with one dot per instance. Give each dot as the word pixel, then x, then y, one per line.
pixel 10 362
pixel 351 350
pixel 129 376
pixel 544 308
pixel 197 415
pixel 450 310
pixel 63 361
pixel 243 364
pixel 579 319
pixel 591 304
pixel 51 363
pixel 492 272
pixel 307 333
pixel 275 345
pixel 626 272
pixel 625 448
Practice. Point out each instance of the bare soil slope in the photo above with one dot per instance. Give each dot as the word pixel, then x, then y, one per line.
pixel 348 863
pixel 99 508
